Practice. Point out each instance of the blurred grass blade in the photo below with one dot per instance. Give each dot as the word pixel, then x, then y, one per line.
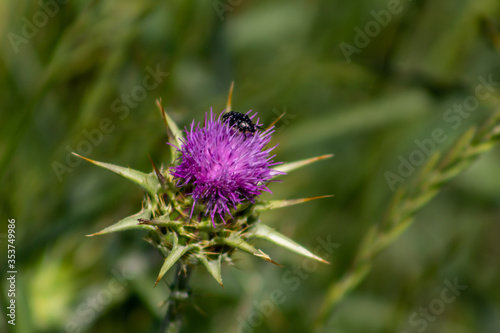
pixel 273 204
pixel 460 145
pixel 149 182
pixel 287 167
pixel 390 108
pixel 177 252
pixel 128 223
pixel 406 202
pixel 213 267
pixel 262 231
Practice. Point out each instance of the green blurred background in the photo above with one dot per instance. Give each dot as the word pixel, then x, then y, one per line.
pixel 64 67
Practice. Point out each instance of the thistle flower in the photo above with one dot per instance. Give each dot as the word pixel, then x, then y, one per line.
pixel 223 165
pixel 218 169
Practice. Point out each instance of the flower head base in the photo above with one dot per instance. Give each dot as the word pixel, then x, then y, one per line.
pixel 223 166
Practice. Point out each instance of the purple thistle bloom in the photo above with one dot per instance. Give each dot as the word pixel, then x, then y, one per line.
pixel 224 165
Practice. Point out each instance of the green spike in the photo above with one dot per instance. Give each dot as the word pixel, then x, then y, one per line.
pixel 159 175
pixel 273 204
pixel 128 223
pixel 239 243
pixel 212 266
pixel 175 254
pixel 229 97
pixel 287 167
pixel 173 132
pixel 236 242
pixel 262 231
pixel 149 182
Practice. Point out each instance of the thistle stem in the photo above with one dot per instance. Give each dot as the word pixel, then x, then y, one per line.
pixel 179 295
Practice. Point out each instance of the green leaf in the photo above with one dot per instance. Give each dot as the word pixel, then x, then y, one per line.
pixel 128 223
pixel 177 252
pixel 239 243
pixel 273 204
pixel 212 266
pixel 287 167
pixel 149 182
pixel 262 231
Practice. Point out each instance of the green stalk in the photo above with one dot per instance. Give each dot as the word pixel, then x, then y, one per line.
pixel 406 202
pixel 179 295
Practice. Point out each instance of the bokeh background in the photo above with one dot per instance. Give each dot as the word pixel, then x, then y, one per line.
pixel 65 66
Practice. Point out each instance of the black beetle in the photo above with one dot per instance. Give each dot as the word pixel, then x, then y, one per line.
pixel 240 121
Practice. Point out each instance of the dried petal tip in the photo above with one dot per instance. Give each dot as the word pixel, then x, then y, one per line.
pixel 223 166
